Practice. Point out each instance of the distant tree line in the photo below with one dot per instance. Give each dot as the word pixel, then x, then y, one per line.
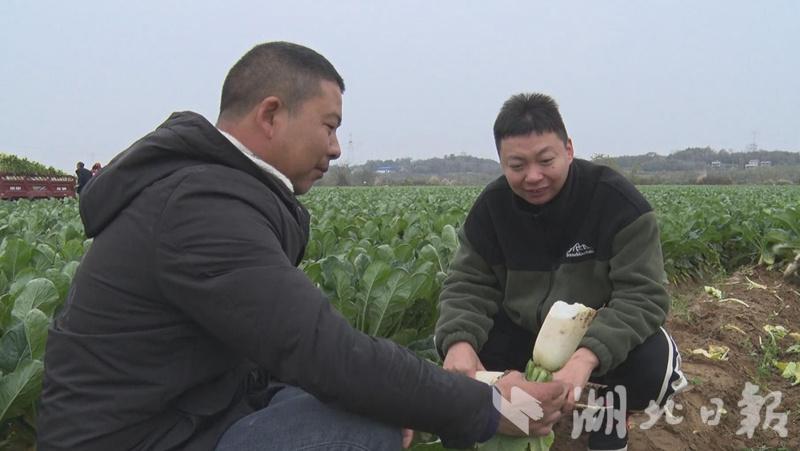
pixel 12 164
pixel 448 164
pixel 704 165
pixel 449 170
pixel 689 166
pixel 698 157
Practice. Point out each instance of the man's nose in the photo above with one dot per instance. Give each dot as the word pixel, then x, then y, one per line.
pixel 533 175
pixel 335 151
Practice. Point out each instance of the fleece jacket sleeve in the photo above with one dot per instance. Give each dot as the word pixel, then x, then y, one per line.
pixel 470 298
pixel 639 302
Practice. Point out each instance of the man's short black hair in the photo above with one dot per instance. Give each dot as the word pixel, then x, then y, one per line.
pixel 288 71
pixel 526 113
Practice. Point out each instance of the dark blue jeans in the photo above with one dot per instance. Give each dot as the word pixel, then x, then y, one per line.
pixel 295 420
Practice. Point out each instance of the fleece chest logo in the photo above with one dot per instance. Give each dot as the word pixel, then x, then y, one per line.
pixel 579 250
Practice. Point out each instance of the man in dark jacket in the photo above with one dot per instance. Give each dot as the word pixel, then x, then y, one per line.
pixel 84 175
pixel 558 228
pixel 189 325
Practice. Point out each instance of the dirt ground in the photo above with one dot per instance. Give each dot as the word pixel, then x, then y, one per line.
pixel 699 320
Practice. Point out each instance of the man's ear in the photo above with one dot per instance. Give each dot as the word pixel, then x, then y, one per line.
pixel 266 113
pixel 570 149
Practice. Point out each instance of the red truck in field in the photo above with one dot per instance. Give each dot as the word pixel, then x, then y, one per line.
pixel 15 186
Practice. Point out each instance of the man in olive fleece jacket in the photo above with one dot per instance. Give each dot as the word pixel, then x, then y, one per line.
pixel 189 325
pixel 557 228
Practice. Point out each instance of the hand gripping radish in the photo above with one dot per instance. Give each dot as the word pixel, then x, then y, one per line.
pixel 558 338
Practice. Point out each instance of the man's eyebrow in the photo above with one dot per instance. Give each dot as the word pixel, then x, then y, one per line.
pixel 536 154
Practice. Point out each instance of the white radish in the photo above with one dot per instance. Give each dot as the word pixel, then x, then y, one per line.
pixel 559 336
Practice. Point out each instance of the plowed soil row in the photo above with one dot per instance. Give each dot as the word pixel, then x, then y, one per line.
pixel 699 320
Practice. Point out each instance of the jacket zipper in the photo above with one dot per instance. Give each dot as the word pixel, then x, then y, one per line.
pixel 539 309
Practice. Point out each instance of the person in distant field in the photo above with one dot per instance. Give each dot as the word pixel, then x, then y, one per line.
pixel 96 168
pixel 557 228
pixel 84 175
pixel 189 325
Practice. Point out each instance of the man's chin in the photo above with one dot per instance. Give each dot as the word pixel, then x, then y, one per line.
pixel 302 188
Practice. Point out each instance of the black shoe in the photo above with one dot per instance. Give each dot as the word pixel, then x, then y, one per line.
pixel 600 441
pixel 616 440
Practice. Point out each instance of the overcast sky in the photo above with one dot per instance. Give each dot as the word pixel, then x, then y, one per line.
pixel 82 80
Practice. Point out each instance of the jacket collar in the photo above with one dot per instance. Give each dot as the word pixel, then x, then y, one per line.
pixel 263 165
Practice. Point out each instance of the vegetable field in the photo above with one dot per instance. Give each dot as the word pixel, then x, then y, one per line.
pixel 41 244
pixel 380 254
